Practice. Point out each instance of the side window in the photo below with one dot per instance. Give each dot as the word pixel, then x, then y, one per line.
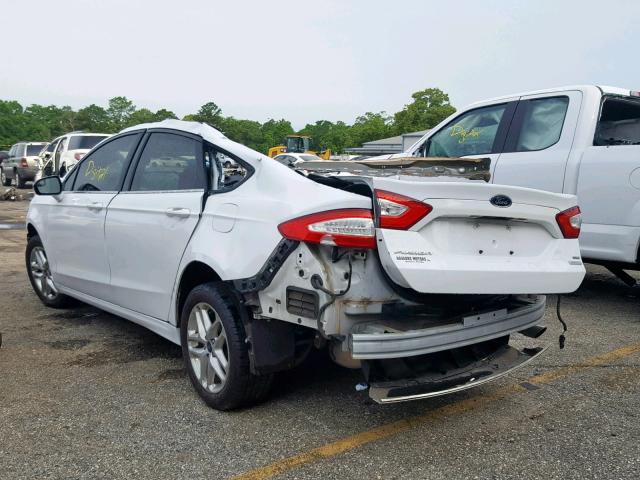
pixel 170 162
pixel 51 147
pixel 542 120
pixel 226 172
pixel 472 133
pixel 619 122
pixel 285 160
pixel 104 168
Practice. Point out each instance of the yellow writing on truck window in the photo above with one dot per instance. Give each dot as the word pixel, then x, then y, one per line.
pixel 462 133
pixel 97 174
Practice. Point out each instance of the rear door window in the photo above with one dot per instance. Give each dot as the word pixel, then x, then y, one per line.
pixel 170 162
pixel 619 122
pixel 103 169
pixel 227 172
pixel 538 123
pixel 472 133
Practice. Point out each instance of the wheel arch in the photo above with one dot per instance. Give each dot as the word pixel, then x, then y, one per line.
pixel 194 274
pixel 31 231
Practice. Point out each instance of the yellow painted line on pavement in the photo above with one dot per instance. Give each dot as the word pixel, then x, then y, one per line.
pixel 392 429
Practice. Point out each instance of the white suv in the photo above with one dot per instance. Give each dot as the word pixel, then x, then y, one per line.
pixel 64 152
pixel 250 267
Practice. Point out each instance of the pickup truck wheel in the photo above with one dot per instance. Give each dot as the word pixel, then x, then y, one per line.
pixel 40 276
pixel 3 178
pixel 215 352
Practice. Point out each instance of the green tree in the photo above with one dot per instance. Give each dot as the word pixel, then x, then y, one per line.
pixel 164 114
pixel 209 113
pixel 143 115
pixel 93 118
pixel 371 126
pixel 118 112
pixel 429 107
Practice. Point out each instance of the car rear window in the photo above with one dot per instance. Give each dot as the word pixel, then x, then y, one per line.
pixel 84 141
pixel 309 158
pixel 33 150
pixel 619 122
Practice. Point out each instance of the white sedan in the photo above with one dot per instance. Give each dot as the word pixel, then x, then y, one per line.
pixel 420 283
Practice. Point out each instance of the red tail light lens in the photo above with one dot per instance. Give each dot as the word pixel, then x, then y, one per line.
pixel 23 163
pixel 570 222
pixel 399 212
pixel 78 156
pixel 349 228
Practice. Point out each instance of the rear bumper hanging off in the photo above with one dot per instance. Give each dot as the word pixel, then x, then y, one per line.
pixel 503 361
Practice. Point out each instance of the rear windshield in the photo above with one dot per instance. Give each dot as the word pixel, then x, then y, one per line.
pixel 33 150
pixel 619 122
pixel 84 141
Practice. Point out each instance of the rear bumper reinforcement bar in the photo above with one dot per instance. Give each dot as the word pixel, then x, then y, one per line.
pixel 503 361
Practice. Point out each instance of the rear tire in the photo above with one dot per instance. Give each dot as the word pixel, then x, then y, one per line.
pixel 3 178
pixel 20 182
pixel 215 352
pixel 40 276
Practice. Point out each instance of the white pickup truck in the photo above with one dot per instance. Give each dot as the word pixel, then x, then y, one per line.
pixel 580 140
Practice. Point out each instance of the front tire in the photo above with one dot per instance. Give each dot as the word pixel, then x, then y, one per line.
pixel 40 275
pixel 214 349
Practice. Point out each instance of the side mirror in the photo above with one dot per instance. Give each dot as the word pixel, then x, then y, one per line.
pixel 48 186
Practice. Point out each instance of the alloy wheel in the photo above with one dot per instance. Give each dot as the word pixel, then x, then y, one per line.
pixel 208 349
pixel 41 274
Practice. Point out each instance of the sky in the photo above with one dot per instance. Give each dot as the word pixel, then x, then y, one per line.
pixel 308 60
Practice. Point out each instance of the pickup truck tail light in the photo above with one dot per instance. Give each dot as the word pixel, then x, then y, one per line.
pixel 78 156
pixel 349 228
pixel 399 212
pixel 570 222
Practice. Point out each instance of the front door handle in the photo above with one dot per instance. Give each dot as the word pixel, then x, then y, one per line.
pixel 95 206
pixel 177 212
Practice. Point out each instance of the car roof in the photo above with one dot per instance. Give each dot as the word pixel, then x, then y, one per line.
pixel 566 88
pixel 201 129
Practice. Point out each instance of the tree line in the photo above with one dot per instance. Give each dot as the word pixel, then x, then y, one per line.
pixel 43 123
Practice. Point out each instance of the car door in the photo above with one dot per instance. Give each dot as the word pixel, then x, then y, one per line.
pixel 149 225
pixel 539 141
pixel 476 133
pixel 75 223
pixel 57 156
pixel 609 184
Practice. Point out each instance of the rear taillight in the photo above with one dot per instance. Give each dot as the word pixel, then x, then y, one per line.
pixel 399 212
pixel 570 222
pixel 349 227
pixel 78 156
pixel 23 163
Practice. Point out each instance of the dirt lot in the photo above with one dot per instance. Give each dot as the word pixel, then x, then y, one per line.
pixel 84 394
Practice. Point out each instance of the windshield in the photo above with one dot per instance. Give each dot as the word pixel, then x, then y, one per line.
pixel 33 150
pixel 310 158
pixel 87 142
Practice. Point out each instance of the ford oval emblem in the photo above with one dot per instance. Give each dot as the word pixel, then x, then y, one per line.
pixel 501 201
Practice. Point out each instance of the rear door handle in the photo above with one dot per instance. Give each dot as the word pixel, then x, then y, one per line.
pixel 177 212
pixel 95 206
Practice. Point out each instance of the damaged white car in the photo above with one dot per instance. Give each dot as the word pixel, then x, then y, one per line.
pixel 416 271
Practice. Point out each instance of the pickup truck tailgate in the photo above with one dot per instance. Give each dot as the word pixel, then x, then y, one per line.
pixel 469 245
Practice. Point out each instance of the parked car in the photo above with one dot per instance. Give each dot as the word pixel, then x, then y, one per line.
pixel 580 140
pixel 293 159
pixel 64 152
pixel 4 154
pixel 248 272
pixel 22 165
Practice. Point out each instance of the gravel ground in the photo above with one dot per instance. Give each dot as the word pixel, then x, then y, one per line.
pixel 84 394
